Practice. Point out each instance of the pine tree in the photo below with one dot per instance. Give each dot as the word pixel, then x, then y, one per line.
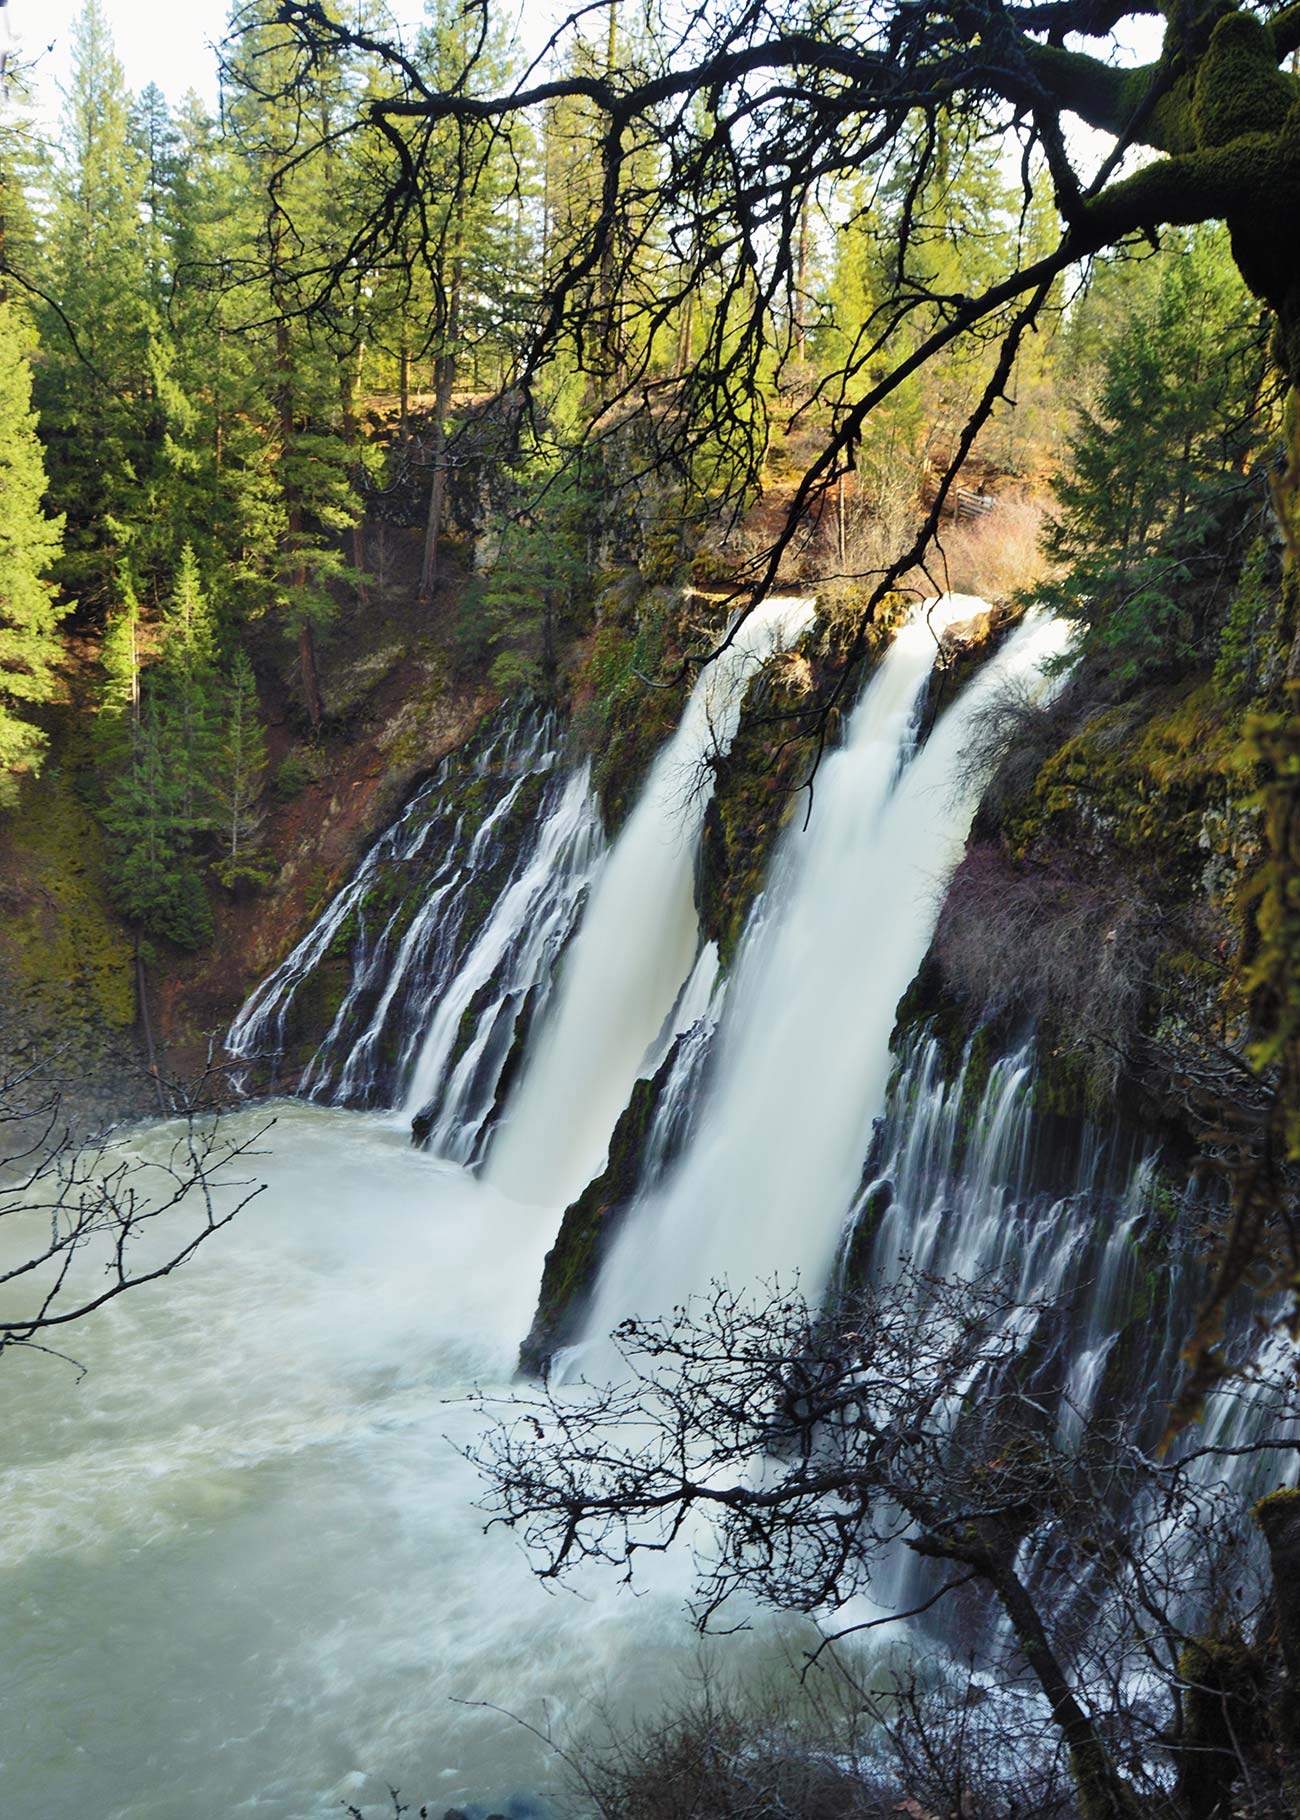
pixel 159 746
pixel 1163 445
pixel 153 876
pixel 276 108
pixel 187 679
pixel 237 783
pixel 119 657
pixel 24 174
pixel 537 590
pixel 30 545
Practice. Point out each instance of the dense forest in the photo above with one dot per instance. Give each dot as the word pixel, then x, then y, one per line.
pixel 886 415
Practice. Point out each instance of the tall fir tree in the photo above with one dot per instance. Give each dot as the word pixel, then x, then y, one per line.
pixel 1134 533
pixel 187 678
pixel 98 388
pixel 30 545
pixel 276 106
pixel 154 877
pixel 238 778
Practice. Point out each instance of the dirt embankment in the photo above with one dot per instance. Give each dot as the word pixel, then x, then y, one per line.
pixel 71 978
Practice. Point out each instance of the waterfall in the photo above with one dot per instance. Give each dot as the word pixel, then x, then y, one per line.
pixel 451 932
pixel 443 943
pixel 467 1022
pixel 961 1192
pixel 1102 1287
pixel 636 944
pixel 803 1058
pixel 330 1338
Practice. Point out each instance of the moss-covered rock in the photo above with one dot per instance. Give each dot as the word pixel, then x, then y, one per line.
pixel 589 1225
pixel 759 785
pixel 1278 1519
pixel 629 688
pixel 1224 1682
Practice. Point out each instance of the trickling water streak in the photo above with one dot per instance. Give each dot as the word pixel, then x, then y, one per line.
pixel 514 953
pixel 635 946
pixel 958 1195
pixel 449 932
pixel 515 745
pixel 803 1060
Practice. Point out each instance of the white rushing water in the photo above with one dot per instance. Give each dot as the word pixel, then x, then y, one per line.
pixel 448 933
pixel 636 944
pixel 242 1569
pixel 779 1139
pixel 514 952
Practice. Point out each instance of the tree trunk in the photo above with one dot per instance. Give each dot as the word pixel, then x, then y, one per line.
pixel 686 336
pixel 142 995
pixel 444 382
pixel 1278 1517
pixel 1103 1793
pixel 310 680
pixel 801 287
pixel 351 441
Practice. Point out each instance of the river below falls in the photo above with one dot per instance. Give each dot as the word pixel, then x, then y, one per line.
pixel 242 1569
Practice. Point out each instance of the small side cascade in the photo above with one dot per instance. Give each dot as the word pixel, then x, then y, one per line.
pixel 453 919
pixel 960 1192
pixel 962 1187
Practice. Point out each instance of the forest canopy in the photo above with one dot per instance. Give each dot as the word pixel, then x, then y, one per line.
pixel 717 132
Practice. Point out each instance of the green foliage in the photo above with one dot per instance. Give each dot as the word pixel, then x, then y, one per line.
pixel 537 591
pixel 238 780
pixel 30 544
pixel 187 680
pixel 153 875
pixel 98 395
pixel 182 755
pixel 1137 529
pixel 300 767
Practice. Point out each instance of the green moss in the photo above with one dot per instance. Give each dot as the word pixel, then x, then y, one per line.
pixel 928 1006
pixel 1062 1084
pixel 1139 777
pixel 588 1225
pixel 1278 1519
pixel 1272 944
pixel 854 1272
pixel 315 1005
pixel 73 958
pixel 1273 1509
pixel 623 714
pixel 1239 89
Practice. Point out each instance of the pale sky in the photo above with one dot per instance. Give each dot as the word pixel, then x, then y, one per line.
pixel 168 41
pixel 162 43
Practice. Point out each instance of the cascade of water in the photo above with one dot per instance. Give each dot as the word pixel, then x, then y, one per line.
pixel 958 1194
pixel 471 1015
pixel 803 1046
pixel 480 879
pixel 636 944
